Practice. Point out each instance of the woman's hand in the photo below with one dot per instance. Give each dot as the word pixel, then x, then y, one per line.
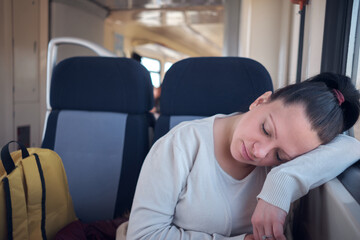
pixel 268 220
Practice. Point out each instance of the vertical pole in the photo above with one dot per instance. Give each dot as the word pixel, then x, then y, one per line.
pixel 301 44
pixel 232 28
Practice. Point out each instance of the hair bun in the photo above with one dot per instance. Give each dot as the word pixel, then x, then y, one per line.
pixel 350 103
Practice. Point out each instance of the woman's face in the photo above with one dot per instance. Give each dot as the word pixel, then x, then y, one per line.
pixel 271 133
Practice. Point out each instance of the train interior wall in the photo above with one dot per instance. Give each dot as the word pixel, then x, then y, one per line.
pixel 267 31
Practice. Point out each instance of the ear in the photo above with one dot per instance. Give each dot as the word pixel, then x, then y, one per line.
pixel 260 100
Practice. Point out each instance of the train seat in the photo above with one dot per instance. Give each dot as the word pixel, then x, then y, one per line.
pixel 99 126
pixel 204 86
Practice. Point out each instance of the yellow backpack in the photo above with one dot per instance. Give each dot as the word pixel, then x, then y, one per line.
pixel 34 195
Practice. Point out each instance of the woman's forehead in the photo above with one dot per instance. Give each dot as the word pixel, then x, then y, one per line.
pixel 295 134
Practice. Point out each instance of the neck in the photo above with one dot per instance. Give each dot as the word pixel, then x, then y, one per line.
pixel 223 133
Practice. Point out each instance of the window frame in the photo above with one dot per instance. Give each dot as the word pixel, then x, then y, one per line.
pixel 336 38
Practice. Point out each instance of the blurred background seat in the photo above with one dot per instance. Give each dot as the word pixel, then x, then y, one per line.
pixel 200 87
pixel 99 125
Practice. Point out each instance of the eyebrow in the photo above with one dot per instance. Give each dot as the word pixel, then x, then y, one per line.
pixel 273 123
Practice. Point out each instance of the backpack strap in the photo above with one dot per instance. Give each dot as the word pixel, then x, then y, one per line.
pixel 8 208
pixel 43 197
pixel 6 159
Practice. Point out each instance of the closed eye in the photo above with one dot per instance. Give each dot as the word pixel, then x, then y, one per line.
pixel 264 130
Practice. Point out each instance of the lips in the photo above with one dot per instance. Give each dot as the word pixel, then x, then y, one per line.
pixel 245 154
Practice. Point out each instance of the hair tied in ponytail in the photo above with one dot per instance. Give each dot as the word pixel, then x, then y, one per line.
pixel 339 96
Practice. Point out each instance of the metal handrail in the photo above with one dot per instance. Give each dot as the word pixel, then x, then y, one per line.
pixel 52 57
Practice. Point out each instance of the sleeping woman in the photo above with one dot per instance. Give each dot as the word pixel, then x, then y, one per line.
pixel 204 179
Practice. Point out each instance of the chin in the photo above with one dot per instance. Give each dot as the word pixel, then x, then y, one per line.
pixel 239 158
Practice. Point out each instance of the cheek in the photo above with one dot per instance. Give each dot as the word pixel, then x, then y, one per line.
pixel 275 162
pixel 270 162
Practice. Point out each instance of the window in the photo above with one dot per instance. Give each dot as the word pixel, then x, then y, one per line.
pixel 357 125
pixel 167 65
pixel 353 64
pixel 153 66
pixel 340 54
pixel 350 178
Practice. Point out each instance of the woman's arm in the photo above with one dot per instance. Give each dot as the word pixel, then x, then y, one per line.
pixel 162 178
pixel 292 180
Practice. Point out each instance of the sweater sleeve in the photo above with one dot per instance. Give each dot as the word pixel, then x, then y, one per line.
pixel 292 180
pixel 162 178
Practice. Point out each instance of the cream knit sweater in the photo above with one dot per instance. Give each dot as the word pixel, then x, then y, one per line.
pixel 182 192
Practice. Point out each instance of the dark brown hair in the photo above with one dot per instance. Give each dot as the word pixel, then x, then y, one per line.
pixel 327 117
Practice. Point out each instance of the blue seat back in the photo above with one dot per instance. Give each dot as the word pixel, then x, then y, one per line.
pixel 99 126
pixel 205 86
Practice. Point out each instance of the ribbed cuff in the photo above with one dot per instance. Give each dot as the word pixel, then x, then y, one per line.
pixel 277 190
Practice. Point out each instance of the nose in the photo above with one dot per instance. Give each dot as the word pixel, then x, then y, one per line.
pixel 262 149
